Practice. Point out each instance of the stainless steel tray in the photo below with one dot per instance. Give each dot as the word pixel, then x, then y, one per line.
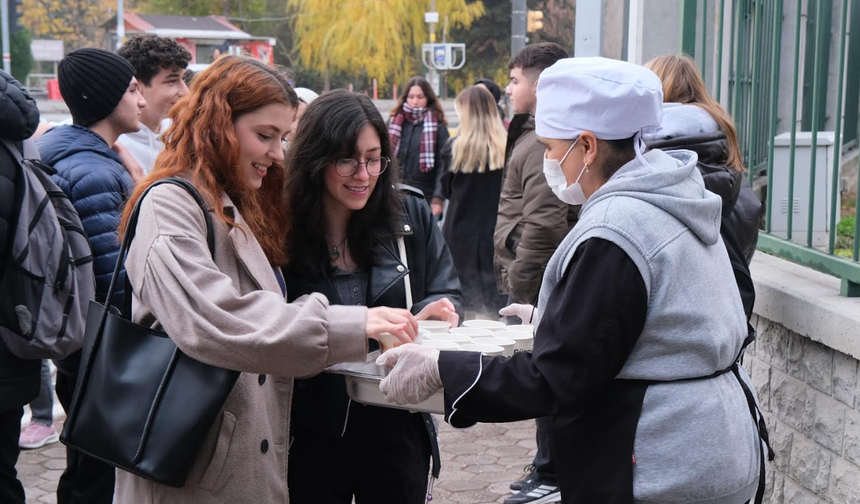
pixel 362 385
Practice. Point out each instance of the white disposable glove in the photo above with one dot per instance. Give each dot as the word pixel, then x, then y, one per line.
pixel 524 311
pixel 414 376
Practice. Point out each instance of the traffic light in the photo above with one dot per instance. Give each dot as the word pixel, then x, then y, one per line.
pixel 534 22
pixel 15 13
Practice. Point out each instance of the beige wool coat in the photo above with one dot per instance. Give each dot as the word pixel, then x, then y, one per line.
pixel 230 313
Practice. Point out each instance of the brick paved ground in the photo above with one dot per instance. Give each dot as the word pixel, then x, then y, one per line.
pixel 478 464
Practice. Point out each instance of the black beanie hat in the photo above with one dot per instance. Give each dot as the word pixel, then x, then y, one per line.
pixel 92 82
pixel 492 87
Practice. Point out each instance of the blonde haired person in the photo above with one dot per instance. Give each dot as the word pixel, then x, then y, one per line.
pixel 474 160
pixel 692 120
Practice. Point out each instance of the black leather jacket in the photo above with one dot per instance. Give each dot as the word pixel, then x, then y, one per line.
pixel 741 208
pixel 320 403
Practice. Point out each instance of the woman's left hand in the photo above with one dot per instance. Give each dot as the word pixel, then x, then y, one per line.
pixel 442 309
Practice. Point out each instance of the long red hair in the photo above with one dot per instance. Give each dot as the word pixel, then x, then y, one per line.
pixel 201 144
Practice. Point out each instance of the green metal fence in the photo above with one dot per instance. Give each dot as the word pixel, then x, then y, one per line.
pixel 758 29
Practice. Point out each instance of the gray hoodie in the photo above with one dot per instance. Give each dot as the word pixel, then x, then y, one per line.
pixel 695 440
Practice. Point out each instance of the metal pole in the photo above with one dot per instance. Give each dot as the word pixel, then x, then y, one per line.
pixel 518 25
pixel 792 142
pixel 120 23
pixel 834 184
pixel 774 99
pixel 432 74
pixel 739 59
pixel 718 82
pixel 4 18
pixel 688 27
pixel 634 30
pixel 816 74
pixel 432 25
pixel 704 38
pixel 754 89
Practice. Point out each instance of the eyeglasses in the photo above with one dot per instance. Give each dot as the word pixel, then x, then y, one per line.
pixel 375 166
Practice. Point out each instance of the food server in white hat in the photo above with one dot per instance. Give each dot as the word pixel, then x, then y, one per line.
pixel 639 322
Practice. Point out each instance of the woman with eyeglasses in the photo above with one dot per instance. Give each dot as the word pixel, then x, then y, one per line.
pixel 418 130
pixel 342 187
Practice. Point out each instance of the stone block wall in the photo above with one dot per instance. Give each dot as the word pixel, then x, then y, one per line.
pixel 810 397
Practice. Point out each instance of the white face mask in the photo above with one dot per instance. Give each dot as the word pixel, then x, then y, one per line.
pixel 572 195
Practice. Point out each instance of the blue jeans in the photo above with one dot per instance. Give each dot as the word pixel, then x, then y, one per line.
pixel 43 405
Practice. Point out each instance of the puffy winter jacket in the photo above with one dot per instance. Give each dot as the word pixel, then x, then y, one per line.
pixel 92 176
pixel 691 127
pixel 19 117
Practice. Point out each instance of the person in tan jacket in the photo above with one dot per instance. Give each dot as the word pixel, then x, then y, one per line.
pixel 231 312
pixel 531 221
pixel 531 224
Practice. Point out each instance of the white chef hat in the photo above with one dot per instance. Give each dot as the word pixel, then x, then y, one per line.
pixel 612 99
pixel 306 95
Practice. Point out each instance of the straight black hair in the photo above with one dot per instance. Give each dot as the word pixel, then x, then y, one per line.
pixel 618 153
pixel 329 131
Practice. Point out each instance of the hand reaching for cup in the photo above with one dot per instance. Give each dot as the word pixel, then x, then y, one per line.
pixel 414 376
pixel 441 309
pixel 524 311
pixel 395 321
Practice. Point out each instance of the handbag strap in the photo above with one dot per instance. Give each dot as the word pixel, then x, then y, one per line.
pixel 401 245
pixel 131 228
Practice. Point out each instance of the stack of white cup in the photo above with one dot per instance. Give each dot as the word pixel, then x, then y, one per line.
pixel 487 336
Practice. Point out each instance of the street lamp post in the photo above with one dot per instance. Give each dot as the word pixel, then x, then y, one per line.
pixel 4 18
pixel 120 23
pixel 518 25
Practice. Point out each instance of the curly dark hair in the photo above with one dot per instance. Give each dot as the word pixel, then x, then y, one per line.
pixel 150 53
pixel 328 131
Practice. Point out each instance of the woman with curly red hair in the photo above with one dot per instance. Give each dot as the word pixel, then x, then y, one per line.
pixel 230 310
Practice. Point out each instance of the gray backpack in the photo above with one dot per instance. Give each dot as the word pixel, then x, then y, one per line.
pixel 46 273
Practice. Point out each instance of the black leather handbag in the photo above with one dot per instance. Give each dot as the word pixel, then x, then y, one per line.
pixel 140 404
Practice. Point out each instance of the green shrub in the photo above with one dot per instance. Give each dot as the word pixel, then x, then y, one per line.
pixel 22 57
pixel 846 227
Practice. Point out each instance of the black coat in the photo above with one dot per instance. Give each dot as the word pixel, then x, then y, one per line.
pixel 741 208
pixel 320 404
pixel 19 378
pixel 430 183
pixel 473 206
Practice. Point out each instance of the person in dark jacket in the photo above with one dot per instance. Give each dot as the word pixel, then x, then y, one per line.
pixel 473 162
pixel 93 177
pixel 350 218
pixel 19 378
pixel 494 90
pixel 692 120
pixel 418 130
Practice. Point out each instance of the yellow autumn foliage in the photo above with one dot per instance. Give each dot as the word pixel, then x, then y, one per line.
pixel 78 23
pixel 381 38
